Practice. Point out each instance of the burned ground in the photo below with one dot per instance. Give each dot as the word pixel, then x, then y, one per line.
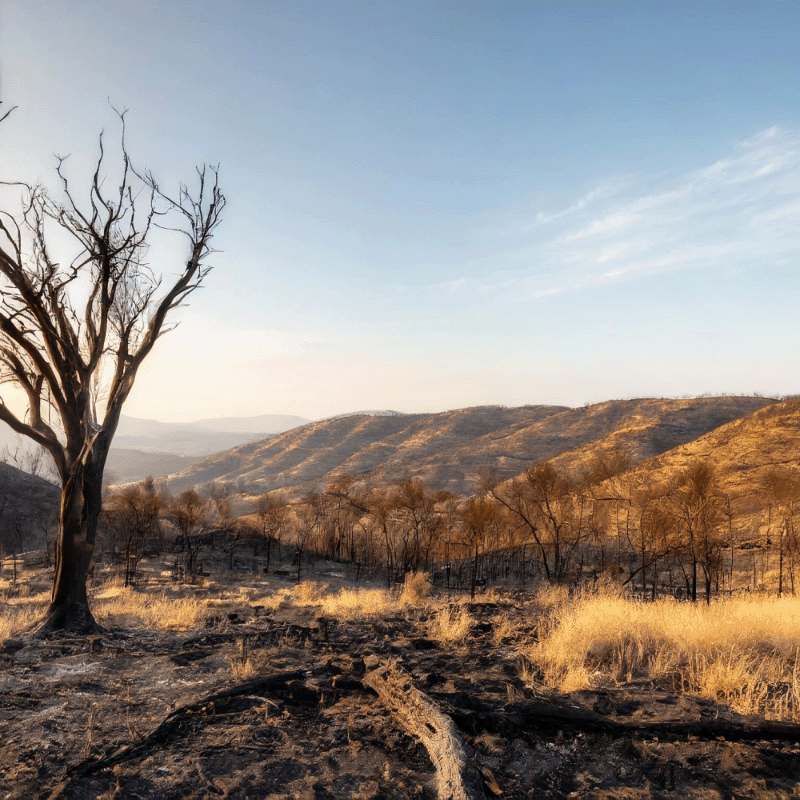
pixel 138 713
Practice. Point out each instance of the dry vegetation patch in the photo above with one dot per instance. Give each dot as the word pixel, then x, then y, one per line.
pixel 116 605
pixel 741 651
pixel 452 624
pixel 416 588
pixel 21 606
pixel 355 603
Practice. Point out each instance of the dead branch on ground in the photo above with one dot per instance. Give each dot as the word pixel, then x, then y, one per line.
pixel 177 723
pixel 458 777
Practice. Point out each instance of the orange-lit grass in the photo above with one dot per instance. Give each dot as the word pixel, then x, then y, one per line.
pixel 743 652
pixel 117 605
pixel 308 593
pixel 361 603
pixel 21 612
pixel 353 604
pixel 451 624
pixel 416 588
pixel 345 604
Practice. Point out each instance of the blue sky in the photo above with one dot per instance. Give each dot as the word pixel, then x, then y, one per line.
pixel 435 205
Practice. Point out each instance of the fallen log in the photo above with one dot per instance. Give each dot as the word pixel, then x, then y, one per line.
pixel 457 776
pixel 726 726
pixel 474 715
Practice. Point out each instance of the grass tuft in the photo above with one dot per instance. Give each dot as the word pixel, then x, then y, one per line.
pixel 452 624
pixel 308 593
pixel 118 605
pixel 15 619
pixel 354 604
pixel 416 588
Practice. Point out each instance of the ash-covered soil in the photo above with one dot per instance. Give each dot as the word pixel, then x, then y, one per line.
pixel 142 714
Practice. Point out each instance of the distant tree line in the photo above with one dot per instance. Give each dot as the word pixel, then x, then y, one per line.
pixel 679 536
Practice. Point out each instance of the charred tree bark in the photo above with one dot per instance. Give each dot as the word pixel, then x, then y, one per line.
pixel 81 503
pixel 458 777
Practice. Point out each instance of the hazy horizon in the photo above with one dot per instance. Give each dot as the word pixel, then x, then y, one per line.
pixel 354 412
pixel 443 205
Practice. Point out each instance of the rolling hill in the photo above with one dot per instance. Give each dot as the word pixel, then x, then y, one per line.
pixel 28 504
pixel 451 450
pixel 741 451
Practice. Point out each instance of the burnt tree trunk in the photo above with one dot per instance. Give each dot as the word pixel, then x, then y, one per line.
pixel 81 503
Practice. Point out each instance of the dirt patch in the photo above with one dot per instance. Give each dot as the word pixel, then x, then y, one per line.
pixel 274 705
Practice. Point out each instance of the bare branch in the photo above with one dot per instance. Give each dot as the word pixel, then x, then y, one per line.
pixel 7 112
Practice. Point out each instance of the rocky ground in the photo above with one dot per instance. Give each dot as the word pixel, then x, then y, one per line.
pixel 143 714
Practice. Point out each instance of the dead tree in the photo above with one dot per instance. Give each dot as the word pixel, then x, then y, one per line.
pixel 542 500
pixel 477 516
pixel 132 513
pixel 75 328
pixel 186 513
pixel 271 511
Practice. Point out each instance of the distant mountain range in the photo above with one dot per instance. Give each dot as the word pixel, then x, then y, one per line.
pixel 145 447
pixel 270 423
pixel 452 450
pixel 198 438
pixel 126 465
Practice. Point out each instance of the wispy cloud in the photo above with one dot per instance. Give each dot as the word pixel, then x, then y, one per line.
pixel 740 211
pixel 597 193
pixel 617 219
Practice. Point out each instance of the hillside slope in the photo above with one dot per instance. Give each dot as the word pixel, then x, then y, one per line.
pixel 451 450
pixel 127 466
pixel 741 451
pixel 27 505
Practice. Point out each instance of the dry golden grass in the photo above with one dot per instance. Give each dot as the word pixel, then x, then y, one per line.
pixel 114 604
pixel 308 593
pixel 743 652
pixel 246 664
pixel 451 624
pixel 21 610
pixel 504 627
pixel 353 604
pixel 491 595
pixel 416 588
pixel 242 669
pixel 14 619
pixel 345 604
pixel 221 595
pixel 273 601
